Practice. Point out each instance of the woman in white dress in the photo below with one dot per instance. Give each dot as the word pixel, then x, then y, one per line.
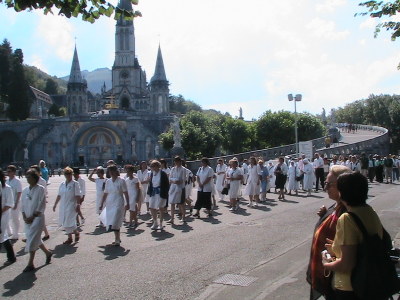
pixel 234 177
pixel 158 193
pixel 308 176
pixel 113 197
pixel 100 182
pixel 189 185
pixel 272 178
pixel 252 188
pixel 33 206
pixel 204 177
pixel 176 194
pixel 220 172
pixel 6 204
pixel 132 184
pixel 293 172
pixel 143 175
pixel 69 194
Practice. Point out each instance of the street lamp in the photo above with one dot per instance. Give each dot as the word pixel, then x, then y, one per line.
pixel 295 99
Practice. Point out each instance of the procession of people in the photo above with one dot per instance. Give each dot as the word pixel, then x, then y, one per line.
pixel 165 191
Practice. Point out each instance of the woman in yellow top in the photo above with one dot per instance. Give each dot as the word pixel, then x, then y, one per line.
pixel 353 189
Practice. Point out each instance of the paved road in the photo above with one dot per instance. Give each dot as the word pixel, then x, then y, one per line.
pixel 270 243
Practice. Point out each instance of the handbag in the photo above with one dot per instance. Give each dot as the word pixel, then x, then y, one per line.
pixel 225 190
pixel 300 178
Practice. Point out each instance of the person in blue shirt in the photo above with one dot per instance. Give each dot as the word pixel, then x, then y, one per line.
pixel 43 170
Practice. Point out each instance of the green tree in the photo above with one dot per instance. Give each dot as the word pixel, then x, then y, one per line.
pixel 236 135
pixel 51 87
pixel 55 110
pixel 19 101
pixel 178 104
pixel 5 65
pixel 89 10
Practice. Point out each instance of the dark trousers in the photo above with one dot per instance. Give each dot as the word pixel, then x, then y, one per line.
pixel 319 176
pixel 9 249
pixel 371 174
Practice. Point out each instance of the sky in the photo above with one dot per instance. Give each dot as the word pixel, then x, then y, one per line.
pixel 228 54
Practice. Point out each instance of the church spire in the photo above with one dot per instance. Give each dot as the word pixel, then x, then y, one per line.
pixel 125 4
pixel 159 72
pixel 75 75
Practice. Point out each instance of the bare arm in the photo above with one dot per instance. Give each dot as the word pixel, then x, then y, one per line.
pixel 55 203
pixel 91 175
pixel 346 263
pixel 103 200
pixel 17 200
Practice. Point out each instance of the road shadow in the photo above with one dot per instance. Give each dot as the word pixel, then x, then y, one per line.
pixel 185 227
pixel 22 282
pixel 316 196
pixel 134 231
pixel 97 231
pixel 242 211
pixel 62 250
pixel 288 201
pixel 210 220
pixel 112 252
pixel 161 235
pixel 263 208
pixel 271 203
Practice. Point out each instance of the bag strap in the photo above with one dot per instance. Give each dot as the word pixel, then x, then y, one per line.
pixel 359 224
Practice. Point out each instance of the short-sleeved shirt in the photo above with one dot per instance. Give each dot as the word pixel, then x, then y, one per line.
pixel 203 173
pixel 15 185
pixel 347 233
pixel 82 186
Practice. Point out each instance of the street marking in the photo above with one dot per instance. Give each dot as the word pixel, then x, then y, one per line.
pixel 233 279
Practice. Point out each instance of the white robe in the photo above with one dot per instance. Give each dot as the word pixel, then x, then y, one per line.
pixel 115 202
pixel 219 182
pixel 67 214
pixel 308 176
pixel 33 200
pixel 175 190
pixel 272 177
pixel 234 186
pixel 100 185
pixel 7 199
pixel 253 181
pixel 143 176
pixel 14 218
pixel 133 191
pixel 292 173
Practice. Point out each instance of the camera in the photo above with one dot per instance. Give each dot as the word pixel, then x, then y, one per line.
pixel 326 257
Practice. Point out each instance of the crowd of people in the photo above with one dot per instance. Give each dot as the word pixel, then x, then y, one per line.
pixel 163 190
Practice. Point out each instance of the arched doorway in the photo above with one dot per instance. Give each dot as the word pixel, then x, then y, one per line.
pixel 98 145
pixel 10 148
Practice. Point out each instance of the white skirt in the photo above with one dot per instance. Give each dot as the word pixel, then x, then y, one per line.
pixel 174 194
pixel 252 188
pixel 156 202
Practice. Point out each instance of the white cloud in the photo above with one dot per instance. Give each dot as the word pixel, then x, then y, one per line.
pixel 37 61
pixel 329 5
pixel 56 33
pixel 324 29
pixel 369 23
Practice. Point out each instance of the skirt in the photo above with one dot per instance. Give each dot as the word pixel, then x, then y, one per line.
pixel 156 202
pixel 203 200
pixel 280 181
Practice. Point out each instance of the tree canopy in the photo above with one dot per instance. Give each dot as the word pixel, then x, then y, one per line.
pixel 89 10
pixel 379 110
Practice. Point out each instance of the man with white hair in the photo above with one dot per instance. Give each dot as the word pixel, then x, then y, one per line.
pixel 319 171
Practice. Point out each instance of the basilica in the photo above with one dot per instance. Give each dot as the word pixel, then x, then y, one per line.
pixel 123 123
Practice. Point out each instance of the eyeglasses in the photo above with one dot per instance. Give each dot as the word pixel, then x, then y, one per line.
pixel 329 184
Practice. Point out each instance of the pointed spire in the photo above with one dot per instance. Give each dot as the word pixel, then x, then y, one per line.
pixel 125 4
pixel 159 72
pixel 75 75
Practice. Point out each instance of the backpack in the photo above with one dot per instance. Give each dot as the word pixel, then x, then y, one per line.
pixel 374 276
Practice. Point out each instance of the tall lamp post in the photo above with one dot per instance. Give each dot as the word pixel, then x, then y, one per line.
pixel 295 99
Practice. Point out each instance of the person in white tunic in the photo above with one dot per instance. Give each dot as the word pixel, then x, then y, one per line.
pixel 271 169
pixel 33 205
pixel 176 194
pixel 308 176
pixel 82 187
pixel 15 211
pixel 220 172
pixel 132 185
pixel 100 182
pixel 189 185
pixel 114 193
pixel 6 204
pixel 69 194
pixel 204 177
pixel 293 172
pixel 158 192
pixel 252 188
pixel 234 176
pixel 143 175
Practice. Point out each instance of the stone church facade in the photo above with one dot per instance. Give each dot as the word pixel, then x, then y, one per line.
pixel 122 123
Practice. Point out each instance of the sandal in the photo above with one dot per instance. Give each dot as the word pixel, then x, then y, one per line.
pixel 77 236
pixel 68 242
pixel 116 243
pixel 46 237
pixel 196 216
